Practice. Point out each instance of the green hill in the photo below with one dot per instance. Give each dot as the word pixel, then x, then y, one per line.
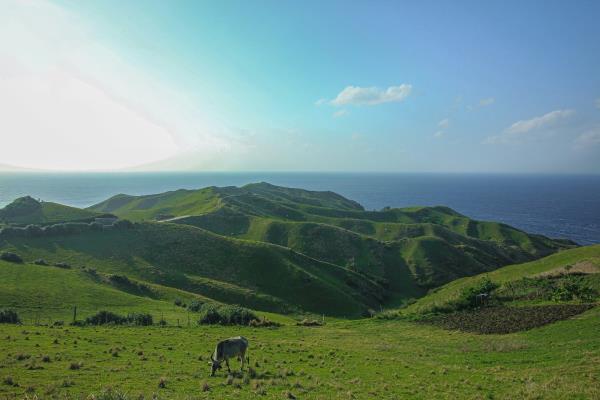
pixel 588 256
pixel 272 248
pixel 257 275
pixel 26 210
pixel 427 246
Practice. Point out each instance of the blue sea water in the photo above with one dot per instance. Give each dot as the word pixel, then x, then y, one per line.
pixel 561 206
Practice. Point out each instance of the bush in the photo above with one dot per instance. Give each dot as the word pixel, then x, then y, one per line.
pixel 572 288
pixel 9 317
pixel 225 315
pixel 62 265
pixel 140 319
pixel 179 303
pixel 119 279
pixel 195 305
pixel 40 261
pixel 105 317
pixel 11 257
pixel 468 297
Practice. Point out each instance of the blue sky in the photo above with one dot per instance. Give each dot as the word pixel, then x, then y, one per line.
pixel 312 85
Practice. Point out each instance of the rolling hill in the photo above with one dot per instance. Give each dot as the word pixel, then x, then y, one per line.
pixel 271 248
pixel 436 244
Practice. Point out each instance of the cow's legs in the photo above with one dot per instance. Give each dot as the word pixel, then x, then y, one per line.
pixel 227 363
pixel 242 359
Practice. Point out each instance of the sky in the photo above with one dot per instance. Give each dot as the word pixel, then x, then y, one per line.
pixel 390 86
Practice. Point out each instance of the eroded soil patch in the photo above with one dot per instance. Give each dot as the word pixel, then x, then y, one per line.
pixel 506 319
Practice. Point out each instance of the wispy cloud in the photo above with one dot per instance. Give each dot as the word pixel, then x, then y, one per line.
pixel 442 125
pixel 589 138
pixel 521 129
pixel 486 102
pixel 482 103
pixel 371 95
pixel 320 102
pixel 545 120
pixel 340 113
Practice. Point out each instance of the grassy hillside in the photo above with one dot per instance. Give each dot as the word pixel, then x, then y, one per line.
pixel 273 248
pixel 46 293
pixel 26 210
pixel 257 275
pixel 408 248
pixel 589 255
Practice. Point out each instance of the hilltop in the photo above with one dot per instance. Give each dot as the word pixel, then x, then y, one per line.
pixel 27 210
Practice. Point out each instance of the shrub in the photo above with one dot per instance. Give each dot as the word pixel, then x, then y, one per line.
pixel 9 317
pixel 140 319
pixel 11 257
pixel 40 261
pixel 195 305
pixel 179 303
pixel 105 317
pixel 62 265
pixel 119 279
pixel 225 315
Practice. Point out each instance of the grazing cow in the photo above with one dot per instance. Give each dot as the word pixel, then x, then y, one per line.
pixel 226 349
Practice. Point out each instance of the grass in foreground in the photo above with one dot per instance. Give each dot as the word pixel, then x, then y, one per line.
pixel 345 360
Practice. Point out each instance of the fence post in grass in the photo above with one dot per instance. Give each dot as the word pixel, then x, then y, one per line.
pixel 74 314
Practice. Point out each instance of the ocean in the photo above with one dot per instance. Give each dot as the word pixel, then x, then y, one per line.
pixel 558 206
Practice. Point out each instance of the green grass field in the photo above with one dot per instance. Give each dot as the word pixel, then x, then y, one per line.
pixel 341 360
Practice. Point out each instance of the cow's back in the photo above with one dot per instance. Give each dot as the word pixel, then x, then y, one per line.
pixel 232 347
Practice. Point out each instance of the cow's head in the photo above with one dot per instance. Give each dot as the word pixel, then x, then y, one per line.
pixel 215 366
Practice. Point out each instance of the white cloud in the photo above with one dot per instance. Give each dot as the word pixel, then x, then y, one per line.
pixel 486 102
pixel 589 138
pixel 521 129
pixel 340 113
pixel 320 102
pixel 545 120
pixel 439 134
pixel 443 124
pixel 371 95
pixel 68 101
